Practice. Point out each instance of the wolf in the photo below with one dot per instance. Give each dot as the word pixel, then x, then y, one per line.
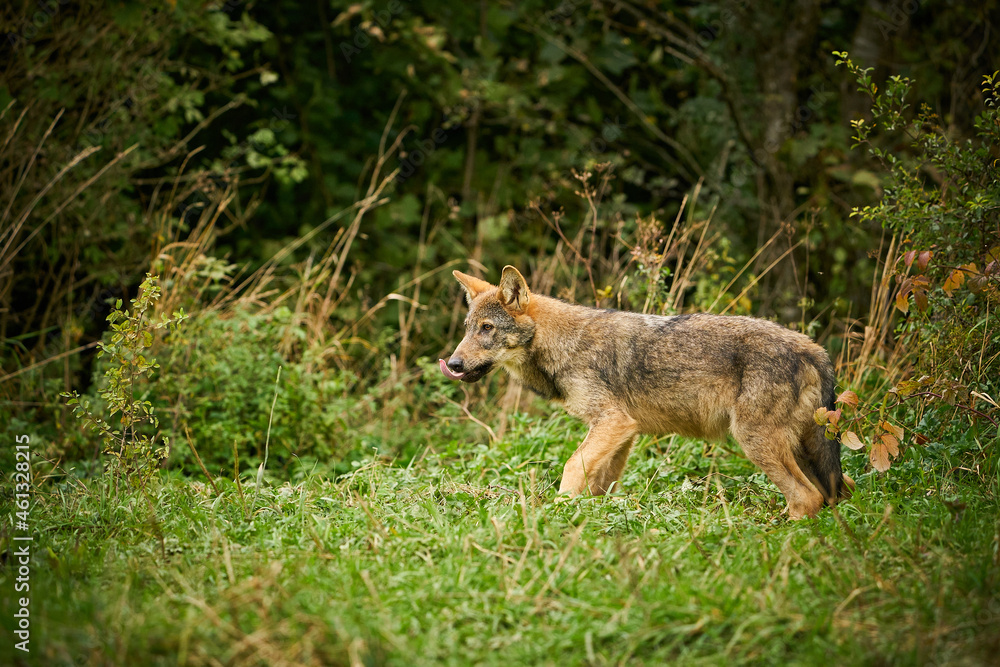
pixel 626 374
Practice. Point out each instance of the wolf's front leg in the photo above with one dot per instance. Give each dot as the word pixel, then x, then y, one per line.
pixel 598 461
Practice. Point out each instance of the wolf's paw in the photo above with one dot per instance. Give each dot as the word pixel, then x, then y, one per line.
pixel 565 496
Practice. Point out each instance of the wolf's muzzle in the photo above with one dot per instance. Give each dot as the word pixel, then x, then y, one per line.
pixel 455 369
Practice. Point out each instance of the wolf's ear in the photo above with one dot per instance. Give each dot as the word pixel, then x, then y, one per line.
pixel 513 289
pixel 473 286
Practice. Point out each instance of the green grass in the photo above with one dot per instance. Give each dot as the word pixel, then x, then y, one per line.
pixel 462 557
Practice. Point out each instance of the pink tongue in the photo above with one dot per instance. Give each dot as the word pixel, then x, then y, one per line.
pixel 447 372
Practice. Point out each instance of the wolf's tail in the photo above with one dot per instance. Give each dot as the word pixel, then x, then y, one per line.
pixel 822 455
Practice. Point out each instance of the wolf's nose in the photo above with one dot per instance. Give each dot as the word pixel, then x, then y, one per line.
pixel 456 365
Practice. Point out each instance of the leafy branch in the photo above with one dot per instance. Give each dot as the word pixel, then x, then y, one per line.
pixel 886 436
pixel 134 453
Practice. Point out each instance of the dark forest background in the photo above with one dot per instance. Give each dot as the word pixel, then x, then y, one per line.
pixel 302 176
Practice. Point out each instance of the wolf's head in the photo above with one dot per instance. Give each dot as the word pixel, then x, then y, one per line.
pixel 498 328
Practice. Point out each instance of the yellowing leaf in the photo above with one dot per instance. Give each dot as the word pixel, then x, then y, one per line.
pixel 953 281
pixel 879 457
pixel 848 397
pixel 903 302
pixel 891 444
pixel 893 429
pixel 820 416
pixel 851 439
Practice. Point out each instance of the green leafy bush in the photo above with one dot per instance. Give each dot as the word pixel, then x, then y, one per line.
pixel 132 447
pixel 218 384
pixel 942 203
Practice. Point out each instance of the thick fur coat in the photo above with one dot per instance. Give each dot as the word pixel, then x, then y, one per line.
pixel 626 374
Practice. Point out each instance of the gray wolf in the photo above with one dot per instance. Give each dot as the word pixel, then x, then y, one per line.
pixel 626 374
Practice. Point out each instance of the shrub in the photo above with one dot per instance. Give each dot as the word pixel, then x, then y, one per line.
pixel 218 385
pixel 942 204
pixel 133 449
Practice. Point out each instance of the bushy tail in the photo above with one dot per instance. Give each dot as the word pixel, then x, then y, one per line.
pixel 822 455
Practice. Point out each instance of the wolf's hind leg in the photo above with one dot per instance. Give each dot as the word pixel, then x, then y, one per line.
pixel 819 458
pixel 847 488
pixel 773 452
pixel 599 460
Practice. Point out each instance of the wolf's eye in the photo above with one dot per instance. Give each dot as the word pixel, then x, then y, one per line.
pixel 487 327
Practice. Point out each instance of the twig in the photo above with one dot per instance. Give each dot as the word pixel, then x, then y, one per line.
pixel 632 106
pixel 464 408
pixel 43 362
pixel 757 278
pixel 198 459
pixel 31 162
pixel 931 394
pixel 83 154
pixel 267 442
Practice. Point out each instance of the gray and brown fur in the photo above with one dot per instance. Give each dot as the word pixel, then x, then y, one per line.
pixel 627 374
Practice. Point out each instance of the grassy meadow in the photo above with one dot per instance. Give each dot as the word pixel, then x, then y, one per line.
pixel 462 557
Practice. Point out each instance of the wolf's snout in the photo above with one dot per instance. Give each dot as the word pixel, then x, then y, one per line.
pixel 453 369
